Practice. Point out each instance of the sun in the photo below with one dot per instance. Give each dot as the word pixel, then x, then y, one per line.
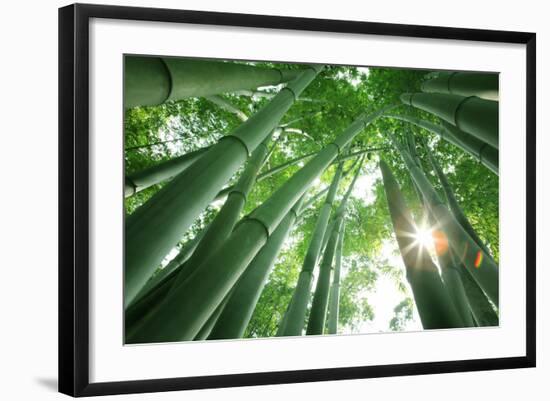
pixel 423 236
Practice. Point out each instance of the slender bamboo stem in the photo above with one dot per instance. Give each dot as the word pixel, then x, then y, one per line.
pixel 143 179
pixel 318 313
pixel 453 203
pixel 334 300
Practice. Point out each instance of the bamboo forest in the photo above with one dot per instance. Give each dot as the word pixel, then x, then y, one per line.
pixel 269 199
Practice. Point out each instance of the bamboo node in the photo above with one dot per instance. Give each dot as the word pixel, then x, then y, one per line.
pixel 238 192
pixel 291 91
pixel 338 148
pixel 239 140
pixel 457 109
pixel 264 226
pixel 449 81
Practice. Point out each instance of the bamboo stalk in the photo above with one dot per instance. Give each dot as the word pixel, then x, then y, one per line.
pixel 478 117
pixel 480 84
pixel 151 81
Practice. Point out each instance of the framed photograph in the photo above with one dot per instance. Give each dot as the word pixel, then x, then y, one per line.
pixel 251 199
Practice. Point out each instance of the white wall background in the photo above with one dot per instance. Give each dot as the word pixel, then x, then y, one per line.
pixel 28 201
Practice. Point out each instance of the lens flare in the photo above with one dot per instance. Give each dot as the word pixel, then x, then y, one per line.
pixel 441 243
pixel 479 259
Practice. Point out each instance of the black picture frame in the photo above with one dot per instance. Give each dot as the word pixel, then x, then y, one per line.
pixel 74 198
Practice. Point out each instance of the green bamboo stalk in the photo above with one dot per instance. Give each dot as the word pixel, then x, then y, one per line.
pixel 450 274
pixel 150 81
pixel 224 222
pixel 176 265
pixel 318 312
pixel 453 203
pixel 482 267
pixel 140 180
pixel 298 304
pixel 434 305
pixel 147 303
pixel 282 324
pixel 154 228
pixel 238 311
pixel 483 312
pixel 334 300
pixel 184 312
pixel 479 150
pixel 478 117
pixel 211 322
pixel 158 286
pixel 480 84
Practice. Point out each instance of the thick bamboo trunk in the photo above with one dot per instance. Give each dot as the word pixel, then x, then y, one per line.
pixel 451 276
pixel 334 300
pixel 479 150
pixel 154 228
pixel 141 308
pixel 211 322
pixel 238 311
pixel 482 267
pixel 478 117
pixel 433 303
pixel 483 312
pixel 184 312
pixel 170 270
pixel 140 180
pixel 149 81
pixel 480 84
pixel 224 222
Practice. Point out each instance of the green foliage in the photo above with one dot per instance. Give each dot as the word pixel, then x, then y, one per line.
pixel 403 313
pixel 354 304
